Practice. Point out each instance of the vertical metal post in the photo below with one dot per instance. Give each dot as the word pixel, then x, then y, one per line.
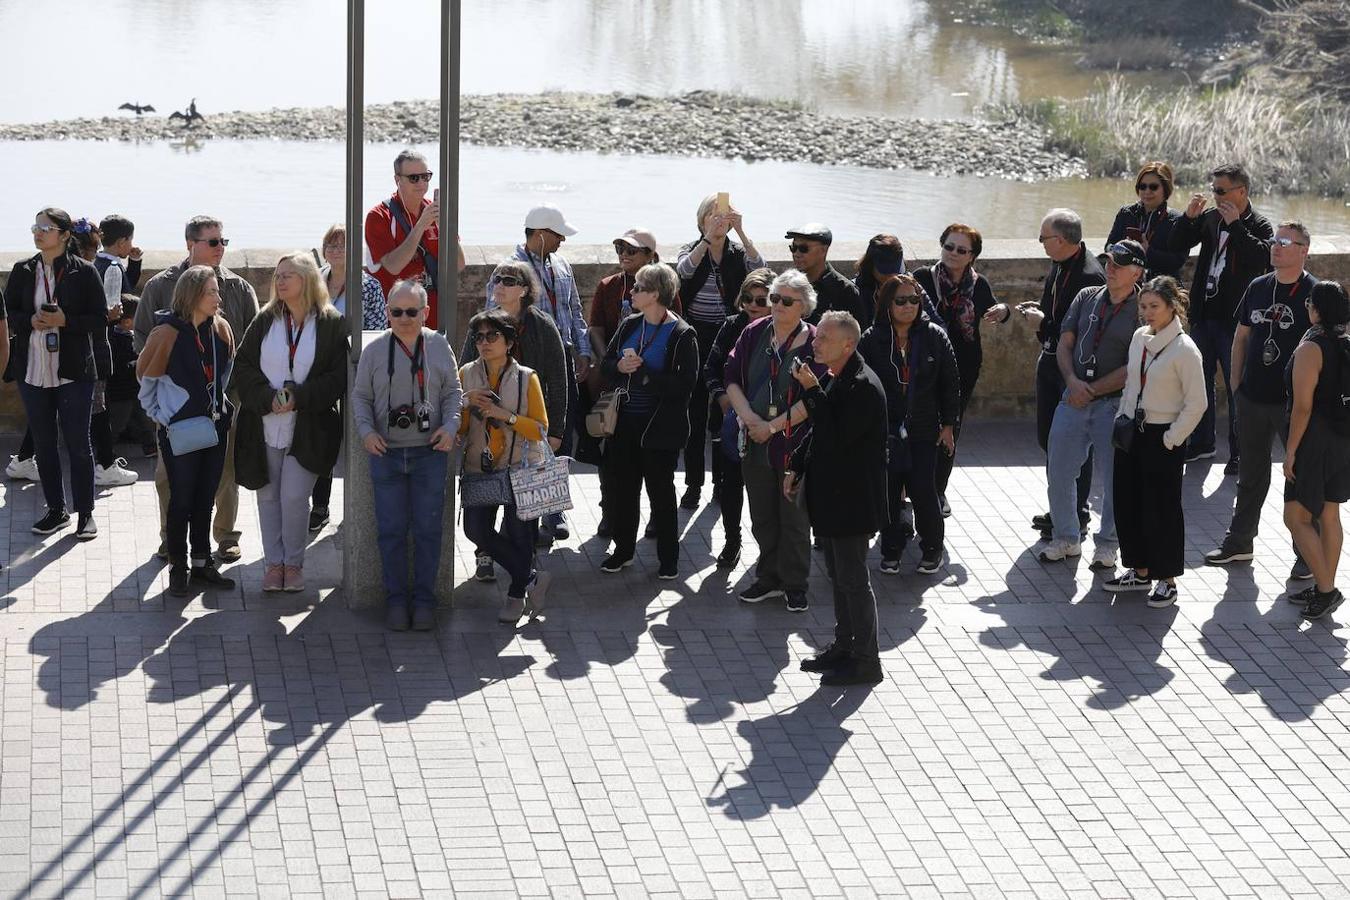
pixel 356 117
pixel 448 259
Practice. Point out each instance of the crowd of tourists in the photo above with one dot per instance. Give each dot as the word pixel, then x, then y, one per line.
pixel 834 406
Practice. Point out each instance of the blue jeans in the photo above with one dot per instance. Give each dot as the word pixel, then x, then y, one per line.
pixel 1072 433
pixel 511 547
pixel 68 406
pixel 1214 337
pixel 409 487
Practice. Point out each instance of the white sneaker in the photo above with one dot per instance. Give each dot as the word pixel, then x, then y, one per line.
pixel 1058 550
pixel 22 469
pixel 116 475
pixel 1103 558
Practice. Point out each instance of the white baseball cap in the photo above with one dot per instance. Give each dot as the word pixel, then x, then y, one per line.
pixel 550 218
pixel 638 237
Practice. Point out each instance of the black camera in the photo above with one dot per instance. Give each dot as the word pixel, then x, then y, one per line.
pixel 406 415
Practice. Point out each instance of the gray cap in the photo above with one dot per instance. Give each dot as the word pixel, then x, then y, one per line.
pixel 812 231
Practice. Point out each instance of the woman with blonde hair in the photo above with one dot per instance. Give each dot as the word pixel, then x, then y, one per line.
pixel 290 373
pixel 191 347
pixel 1164 400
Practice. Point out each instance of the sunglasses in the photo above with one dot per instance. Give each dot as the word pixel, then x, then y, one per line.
pixel 798 248
pixel 906 299
pixel 641 289
pixel 1042 238
pixel 486 337
pixel 44 229
pixel 418 176
pixel 507 281
pixel 1288 242
pixel 396 312
pixel 1122 258
pixel 627 250
pixel 1219 192
pixel 959 251
pixel 761 300
pixel 780 299
pixel 1148 186
pixel 212 242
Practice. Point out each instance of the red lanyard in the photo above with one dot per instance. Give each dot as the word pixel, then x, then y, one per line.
pixel 208 369
pixel 48 287
pixel 1143 369
pixel 1104 321
pixel 549 284
pixel 292 342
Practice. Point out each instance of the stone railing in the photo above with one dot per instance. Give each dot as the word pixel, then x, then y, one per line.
pixel 1015 268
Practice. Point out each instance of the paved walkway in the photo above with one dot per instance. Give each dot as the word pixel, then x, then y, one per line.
pixel 1033 738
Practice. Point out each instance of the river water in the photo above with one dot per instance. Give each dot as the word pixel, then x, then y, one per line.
pixel 888 57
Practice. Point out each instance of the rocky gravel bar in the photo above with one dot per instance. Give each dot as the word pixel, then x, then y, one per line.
pixel 699 123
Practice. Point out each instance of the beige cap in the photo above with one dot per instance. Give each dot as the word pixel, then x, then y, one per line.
pixel 638 237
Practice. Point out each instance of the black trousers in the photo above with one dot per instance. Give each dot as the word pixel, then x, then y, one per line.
pixel 1049 391
pixel 629 465
pixel 969 376
pixel 855 606
pixel 733 494
pixel 699 416
pixel 193 480
pixel 1149 520
pixel 921 488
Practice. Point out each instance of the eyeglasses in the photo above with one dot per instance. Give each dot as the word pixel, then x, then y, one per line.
pixel 396 312
pixel 486 337
pixel 1219 192
pixel 1288 242
pixel 780 299
pixel 760 300
pixel 906 299
pixel 44 229
pixel 212 242
pixel 1148 186
pixel 415 177
pixel 1047 237
pixel 284 276
pixel 799 248
pixel 507 280
pixel 959 251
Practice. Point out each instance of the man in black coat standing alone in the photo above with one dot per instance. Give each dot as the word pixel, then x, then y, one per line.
pixel 841 470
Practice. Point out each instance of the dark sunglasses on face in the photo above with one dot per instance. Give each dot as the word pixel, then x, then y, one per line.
pixel 1288 242
pixel 626 250
pixel 798 248
pixel 396 312
pixel 959 251
pixel 1148 186
pixel 486 337
pixel 418 176
pixel 906 299
pixel 214 242
pixel 780 299
pixel 506 281
pixel 753 300
pixel 1219 192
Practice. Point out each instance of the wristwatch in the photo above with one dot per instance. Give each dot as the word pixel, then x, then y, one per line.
pixel 512 421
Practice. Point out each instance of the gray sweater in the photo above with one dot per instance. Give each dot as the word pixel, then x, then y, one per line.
pixel 374 389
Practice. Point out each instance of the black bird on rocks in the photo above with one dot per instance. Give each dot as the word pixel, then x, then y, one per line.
pixel 190 115
pixel 138 110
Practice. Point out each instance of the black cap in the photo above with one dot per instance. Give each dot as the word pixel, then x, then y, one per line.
pixel 1128 253
pixel 812 231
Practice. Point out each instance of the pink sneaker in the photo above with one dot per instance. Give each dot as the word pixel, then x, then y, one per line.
pixel 274 578
pixel 295 579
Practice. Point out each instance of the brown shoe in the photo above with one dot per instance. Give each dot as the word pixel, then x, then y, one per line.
pixel 229 552
pixel 295 579
pixel 274 579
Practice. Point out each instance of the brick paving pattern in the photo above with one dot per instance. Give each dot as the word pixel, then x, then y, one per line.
pixel 1034 737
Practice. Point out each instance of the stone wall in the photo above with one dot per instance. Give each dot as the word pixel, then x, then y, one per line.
pixel 1015 268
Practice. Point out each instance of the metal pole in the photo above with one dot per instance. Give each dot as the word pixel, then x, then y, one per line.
pixel 447 287
pixel 356 115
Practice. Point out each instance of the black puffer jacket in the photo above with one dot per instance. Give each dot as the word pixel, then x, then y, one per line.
pixel 934 398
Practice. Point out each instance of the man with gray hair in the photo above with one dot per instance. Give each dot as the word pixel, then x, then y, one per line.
pixel 1072 268
pixel 239 304
pixel 843 462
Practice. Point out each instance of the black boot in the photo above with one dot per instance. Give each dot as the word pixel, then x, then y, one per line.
pixel 826 660
pixel 210 575
pixel 854 671
pixel 179 579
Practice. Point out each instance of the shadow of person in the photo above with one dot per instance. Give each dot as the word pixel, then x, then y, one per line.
pixel 1292 668
pixel 1114 648
pixel 791 753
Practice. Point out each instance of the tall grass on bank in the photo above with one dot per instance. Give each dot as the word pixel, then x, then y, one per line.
pixel 1287 146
